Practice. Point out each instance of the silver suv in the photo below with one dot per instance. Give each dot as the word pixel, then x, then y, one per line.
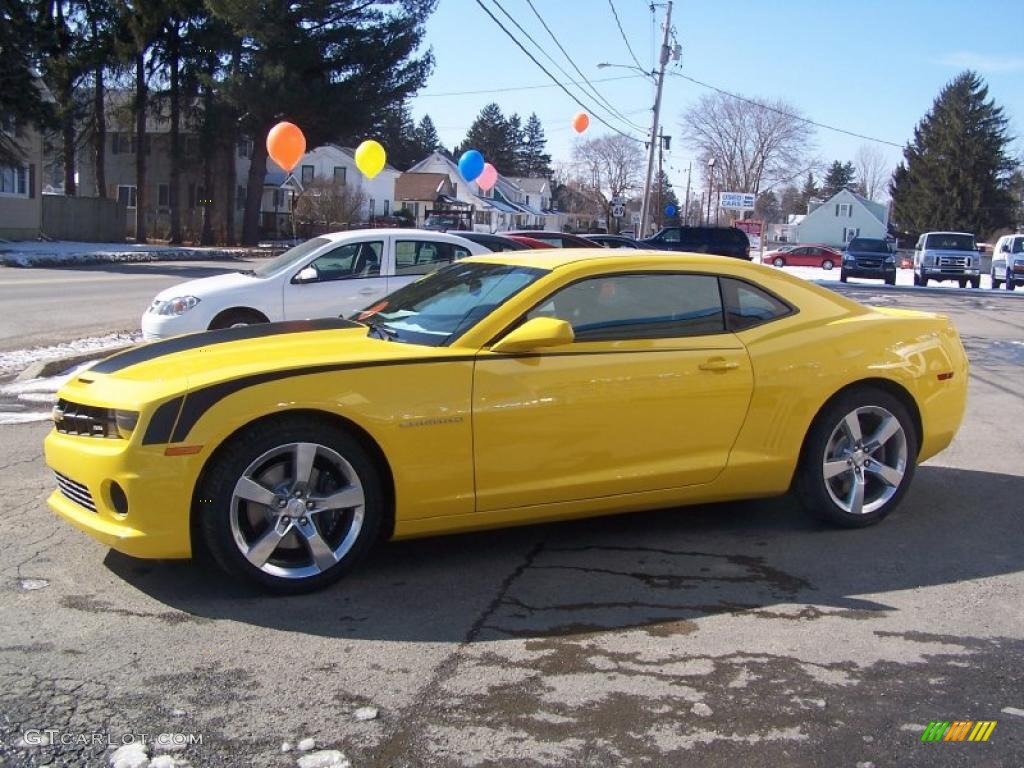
pixel 947 256
pixel 1008 262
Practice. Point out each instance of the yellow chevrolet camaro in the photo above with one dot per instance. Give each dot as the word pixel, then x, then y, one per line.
pixel 502 390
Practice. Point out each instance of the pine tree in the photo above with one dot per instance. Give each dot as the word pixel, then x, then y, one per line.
pixel 491 135
pixel 839 177
pixel 767 208
pixel 664 195
pixel 790 203
pixel 956 171
pixel 20 98
pixel 396 130
pixel 535 161
pixel 426 138
pixel 809 192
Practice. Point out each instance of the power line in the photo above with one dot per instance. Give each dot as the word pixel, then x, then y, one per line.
pixel 783 112
pixel 572 62
pixel 544 69
pixel 528 88
pixel 623 33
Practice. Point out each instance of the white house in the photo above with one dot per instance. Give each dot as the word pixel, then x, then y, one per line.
pixel 841 218
pixel 336 164
pixel 504 206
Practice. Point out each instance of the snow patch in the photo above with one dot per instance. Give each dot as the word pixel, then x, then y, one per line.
pixel 325 758
pixel 18 359
pixel 64 252
pixel 700 709
pixel 305 745
pixel 30 585
pixel 366 713
pixel 131 755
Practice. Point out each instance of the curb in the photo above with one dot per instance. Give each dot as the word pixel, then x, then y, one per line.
pixel 916 289
pixel 29 260
pixel 42 369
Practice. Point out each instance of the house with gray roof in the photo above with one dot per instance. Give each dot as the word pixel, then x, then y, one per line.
pixel 841 218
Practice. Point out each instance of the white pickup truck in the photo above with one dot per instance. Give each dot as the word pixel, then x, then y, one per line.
pixel 947 256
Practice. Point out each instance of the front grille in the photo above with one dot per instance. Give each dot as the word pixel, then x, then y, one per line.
pixel 952 261
pixel 76 492
pixel 869 263
pixel 75 419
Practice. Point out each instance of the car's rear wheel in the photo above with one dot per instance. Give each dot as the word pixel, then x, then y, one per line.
pixel 842 276
pixel 827 264
pixel 779 261
pixel 858 459
pixel 1011 284
pixel 233 318
pixel 976 282
pixel 995 282
pixel 290 505
pixel 962 282
pixel 890 280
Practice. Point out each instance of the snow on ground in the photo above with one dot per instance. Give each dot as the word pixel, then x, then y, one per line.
pixel 40 253
pixel 903 277
pixel 18 360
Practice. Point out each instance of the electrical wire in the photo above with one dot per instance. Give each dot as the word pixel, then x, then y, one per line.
pixel 623 33
pixel 545 70
pixel 572 62
pixel 783 112
pixel 530 88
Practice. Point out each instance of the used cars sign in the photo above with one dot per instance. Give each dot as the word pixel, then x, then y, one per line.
pixel 736 201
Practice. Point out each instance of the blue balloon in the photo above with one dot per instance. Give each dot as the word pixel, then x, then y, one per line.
pixel 670 210
pixel 471 164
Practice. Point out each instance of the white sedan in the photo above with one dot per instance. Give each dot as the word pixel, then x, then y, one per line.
pixel 328 276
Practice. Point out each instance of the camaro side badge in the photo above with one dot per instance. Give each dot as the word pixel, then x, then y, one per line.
pixel 431 422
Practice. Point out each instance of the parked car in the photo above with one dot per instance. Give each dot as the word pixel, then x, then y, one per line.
pixel 943 256
pixel 613 241
pixel 503 389
pixel 495 243
pixel 558 239
pixel 871 258
pixel 722 241
pixel 444 221
pixel 529 242
pixel 329 275
pixel 1008 262
pixel 804 256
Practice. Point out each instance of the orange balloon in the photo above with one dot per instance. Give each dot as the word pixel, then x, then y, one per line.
pixel 286 145
pixel 581 122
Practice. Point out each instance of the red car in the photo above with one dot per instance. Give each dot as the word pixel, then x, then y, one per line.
pixel 529 242
pixel 804 256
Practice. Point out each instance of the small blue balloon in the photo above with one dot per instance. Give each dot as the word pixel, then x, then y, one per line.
pixel 471 164
pixel 670 210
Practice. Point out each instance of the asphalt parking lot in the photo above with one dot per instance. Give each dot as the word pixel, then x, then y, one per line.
pixel 737 634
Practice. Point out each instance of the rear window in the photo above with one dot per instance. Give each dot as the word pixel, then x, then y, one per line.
pixel 747 305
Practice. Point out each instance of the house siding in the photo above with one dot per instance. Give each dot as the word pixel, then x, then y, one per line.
pixel 823 226
pixel 21 216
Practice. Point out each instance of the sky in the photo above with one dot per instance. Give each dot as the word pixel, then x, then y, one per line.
pixel 867 66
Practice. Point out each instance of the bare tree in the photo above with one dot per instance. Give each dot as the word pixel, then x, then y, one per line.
pixel 752 141
pixel 325 205
pixel 607 167
pixel 873 170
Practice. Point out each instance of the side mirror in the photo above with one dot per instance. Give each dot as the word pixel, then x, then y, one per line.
pixel 536 334
pixel 307 275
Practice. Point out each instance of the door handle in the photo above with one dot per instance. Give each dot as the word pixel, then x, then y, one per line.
pixel 718 364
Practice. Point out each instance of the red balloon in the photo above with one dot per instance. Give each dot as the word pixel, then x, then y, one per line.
pixel 286 145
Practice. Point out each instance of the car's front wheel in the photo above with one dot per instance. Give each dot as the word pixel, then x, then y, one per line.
pixel 290 505
pixel 233 318
pixel 995 282
pixel 858 459
pixel 779 261
pixel 827 264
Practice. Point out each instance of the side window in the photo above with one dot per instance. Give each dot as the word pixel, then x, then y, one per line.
pixel 421 257
pixel 747 306
pixel 653 306
pixel 670 236
pixel 350 261
pixel 458 252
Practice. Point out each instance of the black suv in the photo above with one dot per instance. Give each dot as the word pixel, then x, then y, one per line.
pixel 871 258
pixel 722 241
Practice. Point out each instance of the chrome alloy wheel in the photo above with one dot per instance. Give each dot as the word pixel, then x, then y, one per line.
pixel 865 460
pixel 297 510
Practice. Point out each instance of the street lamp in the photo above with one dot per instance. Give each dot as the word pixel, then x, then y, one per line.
pixel 711 187
pixel 644 72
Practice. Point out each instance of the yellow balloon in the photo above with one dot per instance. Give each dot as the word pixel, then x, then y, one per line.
pixel 370 158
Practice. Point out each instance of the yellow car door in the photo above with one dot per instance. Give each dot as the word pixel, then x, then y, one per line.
pixel 650 395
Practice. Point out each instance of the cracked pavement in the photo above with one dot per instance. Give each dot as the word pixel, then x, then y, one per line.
pixel 734 634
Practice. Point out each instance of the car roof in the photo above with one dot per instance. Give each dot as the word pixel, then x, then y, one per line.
pixel 380 231
pixel 943 232
pixel 553 258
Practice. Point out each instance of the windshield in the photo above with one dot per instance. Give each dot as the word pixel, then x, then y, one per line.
pixel 289 257
pixel 1018 245
pixel 442 306
pixel 869 245
pixel 950 242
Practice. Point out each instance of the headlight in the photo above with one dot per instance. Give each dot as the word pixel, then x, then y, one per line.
pixel 179 305
pixel 928 259
pixel 890 259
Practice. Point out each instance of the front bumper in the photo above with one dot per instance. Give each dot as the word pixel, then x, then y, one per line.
pixel 949 273
pixel 158 489
pixel 157 327
pixel 879 273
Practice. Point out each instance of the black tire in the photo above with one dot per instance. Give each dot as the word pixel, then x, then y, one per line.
pixel 917 279
pixel 976 282
pixel 963 282
pixel 779 261
pixel 1011 284
pixel 216 493
pixel 232 317
pixel 924 281
pixel 811 486
pixel 842 276
pixel 827 264
pixel 890 281
pixel 995 283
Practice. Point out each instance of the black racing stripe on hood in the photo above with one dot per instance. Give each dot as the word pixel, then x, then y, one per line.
pixel 162 422
pixel 199 402
pixel 147 352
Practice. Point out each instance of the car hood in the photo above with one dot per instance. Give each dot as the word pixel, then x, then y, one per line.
pixel 153 372
pixel 204 287
pixel 858 252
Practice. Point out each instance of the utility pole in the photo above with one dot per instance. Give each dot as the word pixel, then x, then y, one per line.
pixel 661 190
pixel 686 210
pixel 663 60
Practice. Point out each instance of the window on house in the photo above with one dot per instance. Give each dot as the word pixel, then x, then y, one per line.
pixel 122 143
pixel 277 199
pixel 307 174
pixel 849 233
pixel 126 194
pixel 482 217
pixel 339 174
pixel 370 207
pixel 163 195
pixel 412 207
pixel 387 207
pixel 14 181
pixel 844 210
